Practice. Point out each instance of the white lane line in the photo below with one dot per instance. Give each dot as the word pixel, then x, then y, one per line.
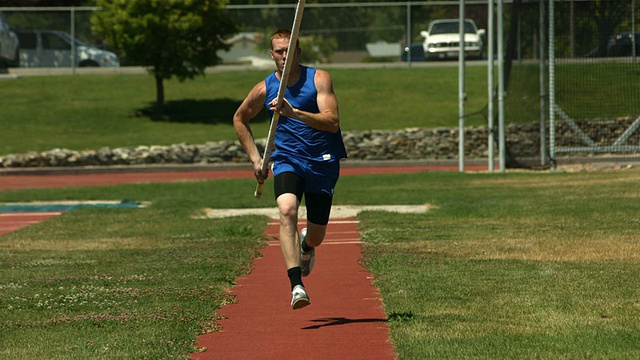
pixel 331 222
pixel 17 214
pixel 25 223
pixel 341 242
pixel 337 211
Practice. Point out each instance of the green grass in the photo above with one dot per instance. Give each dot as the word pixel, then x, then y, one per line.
pixel 516 265
pixel 583 90
pixel 136 283
pixel 612 89
pixel 94 111
pixel 521 265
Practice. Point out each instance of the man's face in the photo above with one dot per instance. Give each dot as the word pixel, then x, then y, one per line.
pixel 279 52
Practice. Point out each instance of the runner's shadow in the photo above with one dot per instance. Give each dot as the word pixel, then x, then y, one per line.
pixel 340 321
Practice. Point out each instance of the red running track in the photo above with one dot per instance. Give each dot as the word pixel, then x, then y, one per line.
pixel 61 179
pixel 10 222
pixel 345 320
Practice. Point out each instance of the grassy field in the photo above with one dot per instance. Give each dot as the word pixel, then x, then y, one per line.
pixel 94 111
pixel 517 265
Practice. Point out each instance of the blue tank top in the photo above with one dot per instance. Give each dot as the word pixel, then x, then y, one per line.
pixel 293 137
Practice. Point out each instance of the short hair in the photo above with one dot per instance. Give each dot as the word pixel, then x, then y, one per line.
pixel 282 34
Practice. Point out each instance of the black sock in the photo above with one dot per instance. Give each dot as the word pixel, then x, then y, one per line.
pixel 295 276
pixel 305 248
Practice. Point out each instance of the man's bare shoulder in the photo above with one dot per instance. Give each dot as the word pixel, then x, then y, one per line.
pixel 259 91
pixel 322 74
pixel 260 87
pixel 323 79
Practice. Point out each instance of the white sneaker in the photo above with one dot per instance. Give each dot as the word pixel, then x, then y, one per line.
pixel 307 259
pixel 299 298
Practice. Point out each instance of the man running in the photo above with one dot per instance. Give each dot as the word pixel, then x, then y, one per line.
pixel 306 162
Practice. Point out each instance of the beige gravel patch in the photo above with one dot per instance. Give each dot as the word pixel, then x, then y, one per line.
pixel 337 211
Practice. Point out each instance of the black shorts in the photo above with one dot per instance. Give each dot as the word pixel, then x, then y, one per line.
pixel 318 205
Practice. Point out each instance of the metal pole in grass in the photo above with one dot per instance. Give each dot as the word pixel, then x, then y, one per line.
pixel 490 75
pixel 501 132
pixel 634 44
pixel 461 89
pixel 552 89
pixel 543 94
pixel 281 91
pixel 409 49
pixel 73 41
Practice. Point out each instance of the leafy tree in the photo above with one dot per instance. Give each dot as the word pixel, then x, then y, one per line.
pixel 169 37
pixel 42 3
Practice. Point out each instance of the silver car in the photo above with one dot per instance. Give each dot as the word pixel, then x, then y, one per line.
pixel 48 48
pixel 8 45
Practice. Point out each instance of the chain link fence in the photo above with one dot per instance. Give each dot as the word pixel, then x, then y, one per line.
pixel 331 33
pixel 595 79
pixel 588 32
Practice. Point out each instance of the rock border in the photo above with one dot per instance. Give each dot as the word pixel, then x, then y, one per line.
pixel 522 141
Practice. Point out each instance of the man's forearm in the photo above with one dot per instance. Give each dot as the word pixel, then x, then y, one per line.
pixel 245 137
pixel 321 121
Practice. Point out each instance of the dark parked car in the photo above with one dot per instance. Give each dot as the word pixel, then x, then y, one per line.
pixel 619 45
pixel 622 44
pixel 48 48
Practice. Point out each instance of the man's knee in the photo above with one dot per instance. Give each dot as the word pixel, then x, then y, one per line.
pixel 288 206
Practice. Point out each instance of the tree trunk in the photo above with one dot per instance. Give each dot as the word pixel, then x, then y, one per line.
pixel 159 109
